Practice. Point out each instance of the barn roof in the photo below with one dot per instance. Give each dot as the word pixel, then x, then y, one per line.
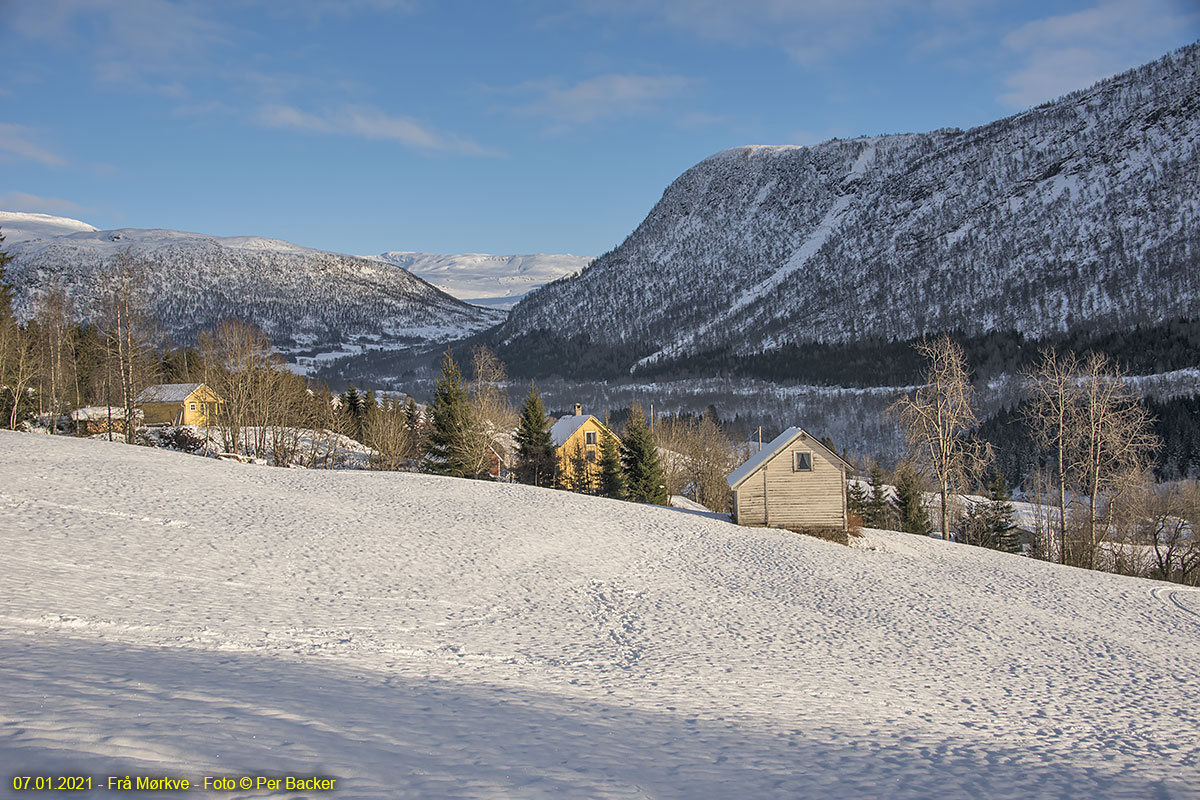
pixel 166 392
pixel 774 447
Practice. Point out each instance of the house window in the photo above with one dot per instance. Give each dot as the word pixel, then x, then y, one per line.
pixel 590 437
pixel 591 456
pixel 191 406
pixel 802 461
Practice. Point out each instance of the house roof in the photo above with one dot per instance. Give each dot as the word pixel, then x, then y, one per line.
pixel 93 413
pixel 565 428
pixel 166 392
pixel 776 446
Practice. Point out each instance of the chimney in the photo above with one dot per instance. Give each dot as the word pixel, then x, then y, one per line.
pixel 579 409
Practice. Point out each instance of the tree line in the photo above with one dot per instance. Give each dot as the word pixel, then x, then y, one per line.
pixel 1097 503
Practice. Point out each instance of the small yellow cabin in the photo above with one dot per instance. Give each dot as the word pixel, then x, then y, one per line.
pixel 577 439
pixel 177 404
pixel 792 482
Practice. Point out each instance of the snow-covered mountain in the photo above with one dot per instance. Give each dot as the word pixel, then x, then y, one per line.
pixel 1082 213
pixel 305 299
pixel 21 226
pixel 487 280
pixel 418 636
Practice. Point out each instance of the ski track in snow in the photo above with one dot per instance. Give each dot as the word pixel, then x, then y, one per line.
pixel 1172 596
pixel 427 637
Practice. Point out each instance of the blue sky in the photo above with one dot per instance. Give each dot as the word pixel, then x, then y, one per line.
pixel 507 127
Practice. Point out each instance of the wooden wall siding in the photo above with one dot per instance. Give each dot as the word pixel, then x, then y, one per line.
pixel 159 413
pixel 795 499
pixel 176 413
pixel 579 437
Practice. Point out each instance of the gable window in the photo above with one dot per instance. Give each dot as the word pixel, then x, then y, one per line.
pixel 590 438
pixel 802 461
pixel 191 406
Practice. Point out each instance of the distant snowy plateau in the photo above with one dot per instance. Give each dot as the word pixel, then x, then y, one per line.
pixel 309 301
pixel 487 280
pixel 425 637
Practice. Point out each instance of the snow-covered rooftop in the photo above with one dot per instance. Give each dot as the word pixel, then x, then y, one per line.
pixel 566 426
pixel 166 393
pixel 769 450
pixel 93 413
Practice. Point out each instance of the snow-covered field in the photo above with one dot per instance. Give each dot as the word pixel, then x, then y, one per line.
pixel 414 636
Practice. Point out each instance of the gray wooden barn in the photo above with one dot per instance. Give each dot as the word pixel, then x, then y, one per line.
pixel 792 482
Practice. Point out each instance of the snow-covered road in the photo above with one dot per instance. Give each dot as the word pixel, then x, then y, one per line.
pixel 414 636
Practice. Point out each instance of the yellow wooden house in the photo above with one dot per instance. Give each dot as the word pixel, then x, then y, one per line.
pixel 177 404
pixel 577 439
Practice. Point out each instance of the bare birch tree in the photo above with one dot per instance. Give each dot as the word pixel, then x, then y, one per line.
pixel 488 394
pixel 1169 526
pixel 238 364
pixel 388 435
pixel 937 420
pixel 491 413
pixel 18 366
pixel 696 456
pixel 128 331
pixel 1054 389
pixel 1113 439
pixel 56 355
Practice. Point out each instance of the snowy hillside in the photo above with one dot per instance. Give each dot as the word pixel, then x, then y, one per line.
pixel 415 636
pixel 1079 214
pixel 486 280
pixel 305 299
pixel 20 226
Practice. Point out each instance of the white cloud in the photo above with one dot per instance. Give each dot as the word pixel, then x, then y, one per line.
pixel 19 140
pixel 317 8
pixel 602 96
pixel 23 201
pixel 126 37
pixel 810 31
pixel 1063 53
pixel 368 123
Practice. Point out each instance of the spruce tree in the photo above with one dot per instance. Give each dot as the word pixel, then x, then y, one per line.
pixel 998 517
pixel 856 499
pixel 451 422
pixel 879 507
pixel 412 415
pixel 910 501
pixel 644 479
pixel 612 476
pixel 536 461
pixel 972 527
pixel 354 412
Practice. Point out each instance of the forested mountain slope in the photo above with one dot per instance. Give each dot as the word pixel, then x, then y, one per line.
pixel 1080 214
pixel 303 298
